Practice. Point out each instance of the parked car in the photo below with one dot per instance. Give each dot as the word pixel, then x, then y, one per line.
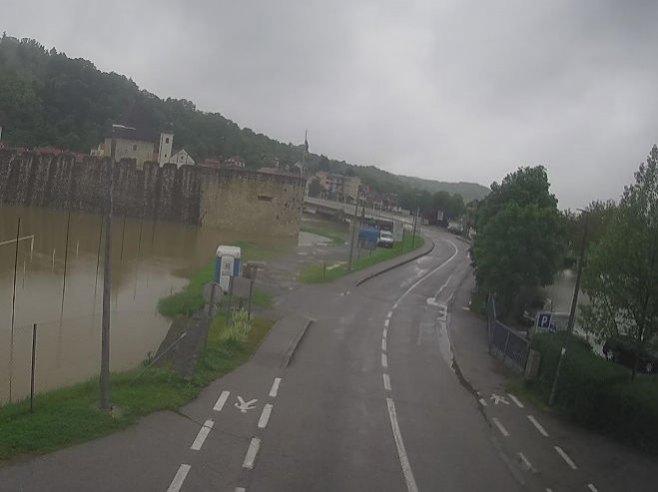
pixel 621 350
pixel 386 239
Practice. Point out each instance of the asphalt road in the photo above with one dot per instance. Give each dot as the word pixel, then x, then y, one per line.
pixel 371 400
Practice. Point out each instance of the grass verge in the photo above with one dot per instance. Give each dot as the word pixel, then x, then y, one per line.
pixel 316 274
pixel 71 415
pixel 337 235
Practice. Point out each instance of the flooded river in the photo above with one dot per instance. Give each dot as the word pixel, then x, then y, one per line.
pixel 150 260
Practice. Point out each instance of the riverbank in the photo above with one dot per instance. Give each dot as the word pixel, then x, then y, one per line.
pixel 71 415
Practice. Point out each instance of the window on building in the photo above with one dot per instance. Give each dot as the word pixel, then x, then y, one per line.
pixel 167 140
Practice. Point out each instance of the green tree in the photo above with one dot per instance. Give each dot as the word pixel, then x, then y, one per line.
pixel 518 243
pixel 621 275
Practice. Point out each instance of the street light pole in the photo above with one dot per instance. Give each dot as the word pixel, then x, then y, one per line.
pixel 356 211
pixel 572 313
pixel 107 286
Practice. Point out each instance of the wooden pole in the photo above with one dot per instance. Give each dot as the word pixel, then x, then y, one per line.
pixel 13 312
pixel 107 292
pixel 34 348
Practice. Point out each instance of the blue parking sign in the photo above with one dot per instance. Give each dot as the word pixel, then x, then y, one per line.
pixel 544 321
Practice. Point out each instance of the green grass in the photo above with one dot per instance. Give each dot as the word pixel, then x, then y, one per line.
pixel 71 415
pixel 190 300
pixel 316 274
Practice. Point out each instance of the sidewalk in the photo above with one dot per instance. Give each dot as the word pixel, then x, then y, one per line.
pixel 551 452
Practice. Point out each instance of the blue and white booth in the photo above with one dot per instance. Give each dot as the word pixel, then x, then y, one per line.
pixel 228 264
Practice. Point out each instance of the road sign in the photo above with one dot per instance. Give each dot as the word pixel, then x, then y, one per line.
pixel 544 321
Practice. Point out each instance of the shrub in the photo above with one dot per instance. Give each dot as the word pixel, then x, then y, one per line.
pixel 237 331
pixel 597 393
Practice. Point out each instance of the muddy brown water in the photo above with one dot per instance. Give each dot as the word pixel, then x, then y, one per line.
pixel 149 261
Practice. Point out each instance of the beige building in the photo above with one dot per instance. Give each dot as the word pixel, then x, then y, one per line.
pixel 338 186
pixel 132 143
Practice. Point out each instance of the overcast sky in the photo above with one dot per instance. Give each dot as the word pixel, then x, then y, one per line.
pixel 454 90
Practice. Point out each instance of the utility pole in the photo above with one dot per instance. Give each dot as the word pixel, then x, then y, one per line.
pixel 572 313
pixel 356 212
pixel 107 285
pixel 415 224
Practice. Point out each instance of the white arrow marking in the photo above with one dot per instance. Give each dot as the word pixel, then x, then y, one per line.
pixel 498 399
pixel 243 406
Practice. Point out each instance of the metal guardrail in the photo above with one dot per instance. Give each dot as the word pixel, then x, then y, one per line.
pixel 504 342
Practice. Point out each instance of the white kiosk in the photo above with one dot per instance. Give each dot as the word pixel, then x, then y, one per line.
pixel 228 263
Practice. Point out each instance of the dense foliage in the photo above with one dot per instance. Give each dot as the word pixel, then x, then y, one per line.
pixel 49 99
pixel 518 243
pixel 598 394
pixel 621 277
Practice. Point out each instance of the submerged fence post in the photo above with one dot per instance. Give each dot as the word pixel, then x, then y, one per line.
pixel 13 312
pixel 251 292
pixel 66 258
pixel 34 348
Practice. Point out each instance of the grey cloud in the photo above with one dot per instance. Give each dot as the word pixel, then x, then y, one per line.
pixel 452 90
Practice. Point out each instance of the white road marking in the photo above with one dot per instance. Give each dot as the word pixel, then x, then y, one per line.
pixel 221 401
pixel 399 444
pixel 387 382
pixel 384 344
pixel 424 277
pixel 243 406
pixel 179 478
pixel 252 451
pixel 538 426
pixel 565 457
pixel 498 399
pixel 201 436
pixel 384 360
pixel 265 416
pixel 526 463
pixel 549 490
pixel 385 333
pixel 516 401
pixel 240 489
pixel 386 321
pixel 275 387
pixel 483 402
pixel 443 286
pixel 502 429
pixel 592 488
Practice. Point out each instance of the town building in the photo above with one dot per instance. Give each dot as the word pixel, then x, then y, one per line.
pixel 337 186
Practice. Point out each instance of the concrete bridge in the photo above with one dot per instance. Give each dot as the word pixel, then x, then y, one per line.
pixel 339 209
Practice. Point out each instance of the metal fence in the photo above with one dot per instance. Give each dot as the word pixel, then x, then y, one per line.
pixel 507 344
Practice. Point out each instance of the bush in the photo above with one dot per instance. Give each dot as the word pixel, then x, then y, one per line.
pixel 237 332
pixel 597 393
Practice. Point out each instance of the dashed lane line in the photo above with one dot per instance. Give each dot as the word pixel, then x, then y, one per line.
pixel 538 426
pixel 383 344
pixel 516 401
pixel 252 452
pixel 483 402
pixel 399 444
pixel 526 463
pixel 240 489
pixel 565 457
pixel 275 387
pixel 221 401
pixel 387 382
pixel 265 416
pixel 201 436
pixel 592 488
pixel 386 321
pixel 385 333
pixel 500 426
pixel 179 478
pixel 390 313
pixel 384 360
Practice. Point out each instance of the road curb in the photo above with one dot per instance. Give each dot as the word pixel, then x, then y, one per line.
pixel 290 353
pixel 425 250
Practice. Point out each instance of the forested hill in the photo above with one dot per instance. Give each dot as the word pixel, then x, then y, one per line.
pixel 49 99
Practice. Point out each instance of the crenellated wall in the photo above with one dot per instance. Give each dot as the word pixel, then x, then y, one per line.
pixel 238 200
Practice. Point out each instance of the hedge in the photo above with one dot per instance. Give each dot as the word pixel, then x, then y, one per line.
pixel 599 394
